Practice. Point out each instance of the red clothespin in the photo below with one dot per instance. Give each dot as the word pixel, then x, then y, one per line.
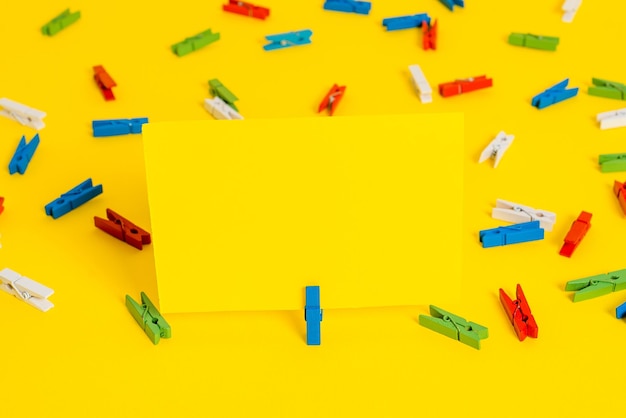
pixel 576 233
pixel 332 99
pixel 104 81
pixel 429 39
pixel 464 86
pixel 620 192
pixel 519 314
pixel 122 229
pixel 1 205
pixel 246 9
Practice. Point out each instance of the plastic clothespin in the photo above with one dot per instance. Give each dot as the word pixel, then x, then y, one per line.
pixel 217 89
pixel 331 100
pixel 313 315
pixel 69 201
pixel 496 148
pixel 519 314
pixel 607 89
pixel 348 6
pixel 610 163
pixel 421 84
pixel 220 110
pixel 554 94
pixel 60 22
pixel 122 229
pixel 288 39
pixel 612 119
pixel 599 285
pixel 23 155
pixel 512 234
pixel 516 213
pixel 464 86
pixel 26 289
pixel 25 115
pixel 619 189
pixel 149 318
pixel 246 9
pixel 570 7
pixel 429 39
pixel 546 43
pixel 455 327
pixel 451 3
pixel 405 22
pixel 104 81
pixel 113 127
pixel 194 43
pixel 577 232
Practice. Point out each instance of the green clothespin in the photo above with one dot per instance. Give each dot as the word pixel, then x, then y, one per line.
pixel 547 43
pixel 454 327
pixel 610 163
pixel 195 42
pixel 608 89
pixel 600 285
pixel 60 22
pixel 149 318
pixel 217 89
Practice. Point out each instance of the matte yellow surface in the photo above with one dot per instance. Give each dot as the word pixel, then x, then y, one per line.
pixel 87 357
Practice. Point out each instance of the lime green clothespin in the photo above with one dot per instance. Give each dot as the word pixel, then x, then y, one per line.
pixel 149 318
pixel 60 22
pixel 454 327
pixel 195 42
pixel 217 89
pixel 599 285
pixel 610 163
pixel 608 89
pixel 547 43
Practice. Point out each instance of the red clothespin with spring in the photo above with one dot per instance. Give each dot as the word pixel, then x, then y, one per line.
pixel 122 229
pixel 104 81
pixel 620 192
pixel 332 99
pixel 246 9
pixel 576 233
pixel 519 314
pixel 464 86
pixel 429 39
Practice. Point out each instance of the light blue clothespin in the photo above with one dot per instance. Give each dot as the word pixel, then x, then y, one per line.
pixel 348 6
pixel 313 315
pixel 289 39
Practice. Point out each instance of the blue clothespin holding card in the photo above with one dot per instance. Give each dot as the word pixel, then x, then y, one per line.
pixel 289 39
pixel 79 195
pixel 554 94
pixel 313 315
pixel 451 3
pixel 23 155
pixel 512 234
pixel 114 127
pixel 406 22
pixel 348 6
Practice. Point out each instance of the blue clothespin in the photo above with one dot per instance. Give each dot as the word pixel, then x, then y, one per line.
pixel 117 126
pixel 348 6
pixel 406 22
pixel 620 311
pixel 313 315
pixel 286 40
pixel 451 3
pixel 80 194
pixel 554 94
pixel 23 154
pixel 512 234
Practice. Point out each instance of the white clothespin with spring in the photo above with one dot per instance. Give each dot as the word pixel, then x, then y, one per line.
pixel 516 213
pixel 423 88
pixel 570 7
pixel 612 119
pixel 219 109
pixel 25 115
pixel 28 290
pixel 497 148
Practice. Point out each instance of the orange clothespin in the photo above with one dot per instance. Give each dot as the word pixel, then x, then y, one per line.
pixel 104 81
pixel 576 233
pixel 464 86
pixel 1 205
pixel 620 192
pixel 122 229
pixel 429 40
pixel 519 314
pixel 332 99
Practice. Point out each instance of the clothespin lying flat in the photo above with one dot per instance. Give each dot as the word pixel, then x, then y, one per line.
pixel 113 127
pixel 288 39
pixel 519 314
pixel 570 7
pixel 149 318
pixel 512 234
pixel 25 115
pixel 220 110
pixel 516 213
pixel 465 85
pixel 23 155
pixel 451 3
pixel 612 119
pixel 406 22
pixel 60 22
pixel 496 148
pixel 104 81
pixel 577 232
pixel 122 229
pixel 217 89
pixel 1 205
pixel 348 6
pixel 194 43
pixel 619 189
pixel 79 195
pixel 607 89
pixel 26 289
pixel 610 163
pixel 331 100
pixel 554 94
pixel 421 84
pixel 546 43
pixel 246 9
pixel 313 315
pixel 620 311
pixel 455 327
pixel 599 285
pixel 429 38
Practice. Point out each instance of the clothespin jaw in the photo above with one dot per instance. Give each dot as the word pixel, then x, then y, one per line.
pixel 546 43
pixel 60 22
pixel 405 22
pixel 598 285
pixel 115 127
pixel 104 81
pixel 576 233
pixel 331 100
pixel 220 110
pixel 429 36
pixel 496 148
pixel 464 86
pixel 451 3
pixel 607 89
pixel 455 327
pixel 516 213
pixel 217 89
pixel 149 318
pixel 519 314
pixel 22 114
pixel 554 94
pixel 570 7
pixel 23 155
pixel 313 315
pixel 246 9
pixel 513 234
pixel 194 43
pixel 348 6
pixel 421 84
pixel 612 119
pixel 25 289
pixel 122 229
pixel 69 201
pixel 289 39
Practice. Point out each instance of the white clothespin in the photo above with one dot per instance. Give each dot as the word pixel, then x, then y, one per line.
pixel 570 7
pixel 424 89
pixel 28 290
pixel 612 119
pixel 497 148
pixel 516 213
pixel 25 115
pixel 219 109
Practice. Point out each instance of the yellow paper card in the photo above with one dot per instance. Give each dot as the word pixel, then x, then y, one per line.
pixel 245 214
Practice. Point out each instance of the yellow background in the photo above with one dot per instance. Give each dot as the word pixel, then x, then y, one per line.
pixel 92 359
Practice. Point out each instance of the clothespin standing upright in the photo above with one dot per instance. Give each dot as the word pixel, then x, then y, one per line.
pixel 429 36
pixel 554 94
pixel 451 3
pixel 104 82
pixel 22 114
pixel 122 229
pixel 332 99
pixel 60 22
pixel 519 314
pixel 149 318
pixel 570 7
pixel 598 285
pixel 576 233
pixel 455 327
pixel 25 289
pixel 74 198
pixel 421 84
pixel 496 148
pixel 246 9
pixel 313 315
pixel 23 155
pixel 288 39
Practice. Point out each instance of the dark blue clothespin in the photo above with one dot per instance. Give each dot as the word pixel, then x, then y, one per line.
pixel 406 22
pixel 289 39
pixel 451 3
pixel 313 315
pixel 554 94
pixel 80 194
pixel 117 126
pixel 348 6
pixel 23 154
pixel 512 234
